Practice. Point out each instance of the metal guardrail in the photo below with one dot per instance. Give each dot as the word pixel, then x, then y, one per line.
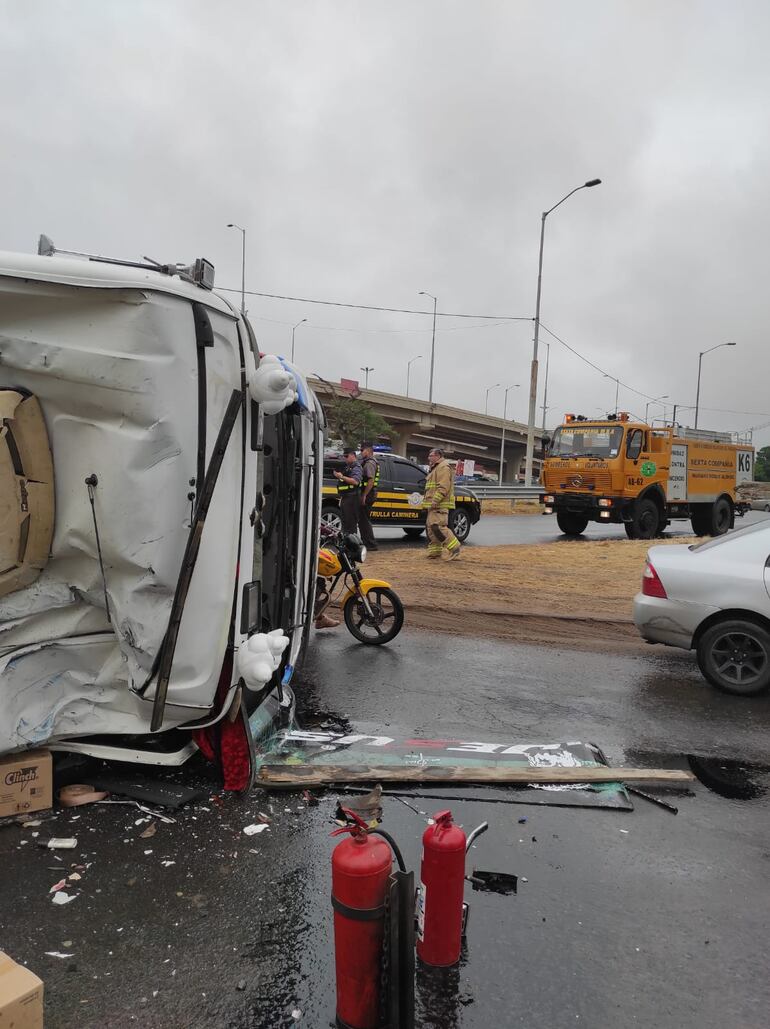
pixel 510 491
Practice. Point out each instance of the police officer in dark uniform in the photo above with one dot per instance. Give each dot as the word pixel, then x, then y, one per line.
pixel 370 480
pixel 349 490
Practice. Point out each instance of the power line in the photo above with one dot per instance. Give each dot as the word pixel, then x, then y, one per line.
pixel 347 328
pixel 632 389
pixel 596 366
pixel 374 307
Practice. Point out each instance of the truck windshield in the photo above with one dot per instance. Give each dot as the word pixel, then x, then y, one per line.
pixel 581 440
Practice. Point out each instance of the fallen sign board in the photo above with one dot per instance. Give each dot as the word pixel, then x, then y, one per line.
pixel 302 776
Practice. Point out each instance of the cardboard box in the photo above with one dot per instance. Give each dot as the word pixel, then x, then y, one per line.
pixel 25 782
pixel 21 996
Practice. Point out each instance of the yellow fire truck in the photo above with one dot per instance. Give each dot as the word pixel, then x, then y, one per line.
pixel 616 470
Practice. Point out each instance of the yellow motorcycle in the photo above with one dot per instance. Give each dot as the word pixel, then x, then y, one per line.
pixel 372 609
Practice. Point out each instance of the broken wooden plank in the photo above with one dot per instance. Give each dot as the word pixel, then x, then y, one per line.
pixel 301 776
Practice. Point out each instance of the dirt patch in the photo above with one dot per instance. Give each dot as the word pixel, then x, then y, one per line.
pixel 509 507
pixel 569 594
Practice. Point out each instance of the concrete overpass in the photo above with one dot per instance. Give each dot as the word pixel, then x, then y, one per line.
pixel 417 426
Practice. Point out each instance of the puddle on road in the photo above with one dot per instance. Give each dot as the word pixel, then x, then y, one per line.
pixel 735 779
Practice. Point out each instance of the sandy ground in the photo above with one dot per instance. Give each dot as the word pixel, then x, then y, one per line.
pixel 567 594
pixel 508 507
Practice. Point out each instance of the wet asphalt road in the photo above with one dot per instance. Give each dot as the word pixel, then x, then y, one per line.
pixel 495 530
pixel 663 924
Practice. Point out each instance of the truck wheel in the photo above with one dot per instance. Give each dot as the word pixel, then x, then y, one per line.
pixel 734 656
pixel 330 515
pixel 460 523
pixel 700 522
pixel 645 522
pixel 721 516
pixel 571 524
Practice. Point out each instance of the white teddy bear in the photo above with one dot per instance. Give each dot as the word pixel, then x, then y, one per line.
pixel 271 385
pixel 259 656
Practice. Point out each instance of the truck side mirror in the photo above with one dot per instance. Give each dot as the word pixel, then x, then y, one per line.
pixel 546 444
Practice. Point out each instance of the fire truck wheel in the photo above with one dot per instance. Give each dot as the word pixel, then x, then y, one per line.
pixel 571 524
pixel 721 516
pixel 646 521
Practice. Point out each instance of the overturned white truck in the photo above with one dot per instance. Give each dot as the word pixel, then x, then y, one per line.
pixel 159 507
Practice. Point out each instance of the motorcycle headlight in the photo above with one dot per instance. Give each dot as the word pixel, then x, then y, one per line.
pixel 362 556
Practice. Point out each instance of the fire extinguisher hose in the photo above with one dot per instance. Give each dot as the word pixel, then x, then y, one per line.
pixel 394 846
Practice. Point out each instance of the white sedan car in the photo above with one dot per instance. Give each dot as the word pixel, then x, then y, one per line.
pixel 713 598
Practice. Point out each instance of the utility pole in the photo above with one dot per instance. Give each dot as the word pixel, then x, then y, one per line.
pixel 533 375
pixel 366 373
pixel 422 293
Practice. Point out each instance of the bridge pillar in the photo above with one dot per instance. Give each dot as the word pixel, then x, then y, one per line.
pixel 399 437
pixel 512 457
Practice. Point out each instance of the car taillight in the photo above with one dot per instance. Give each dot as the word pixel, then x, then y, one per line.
pixel 651 584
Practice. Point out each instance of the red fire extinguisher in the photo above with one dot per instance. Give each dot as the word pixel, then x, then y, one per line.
pixel 361 867
pixel 440 899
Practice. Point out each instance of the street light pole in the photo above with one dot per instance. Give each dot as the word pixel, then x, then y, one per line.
pixel 700 361
pixel 366 373
pixel 232 225
pixel 545 386
pixel 293 330
pixel 655 400
pixel 533 376
pixel 409 369
pixel 486 398
pixel 502 440
pixel 617 389
pixel 423 293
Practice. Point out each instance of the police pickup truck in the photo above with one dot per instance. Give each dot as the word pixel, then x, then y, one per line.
pixel 399 498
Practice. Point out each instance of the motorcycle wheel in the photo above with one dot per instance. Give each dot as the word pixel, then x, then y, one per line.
pixel 388 620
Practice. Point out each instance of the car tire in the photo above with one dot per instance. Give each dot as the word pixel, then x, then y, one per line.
pixel 720 517
pixel 646 521
pixel 414 534
pixel 571 524
pixel 460 523
pixel 330 515
pixel 734 656
pixel 766 508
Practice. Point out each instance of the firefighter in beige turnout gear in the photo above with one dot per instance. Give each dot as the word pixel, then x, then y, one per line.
pixel 439 498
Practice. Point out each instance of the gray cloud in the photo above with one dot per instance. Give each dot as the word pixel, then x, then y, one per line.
pixel 377 149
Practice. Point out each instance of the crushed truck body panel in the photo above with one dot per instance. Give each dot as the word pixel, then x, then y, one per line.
pixel 133 372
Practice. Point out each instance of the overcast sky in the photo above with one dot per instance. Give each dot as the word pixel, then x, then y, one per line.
pixel 376 149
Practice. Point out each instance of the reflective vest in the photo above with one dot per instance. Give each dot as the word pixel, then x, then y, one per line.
pixel 440 487
pixel 346 487
pixel 364 480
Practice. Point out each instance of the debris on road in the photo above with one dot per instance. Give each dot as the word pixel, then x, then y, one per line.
pixel 252 830
pixel 58 954
pixel 300 776
pixel 79 794
pixel 503 883
pixel 58 843
pixel 63 898
pixel 151 829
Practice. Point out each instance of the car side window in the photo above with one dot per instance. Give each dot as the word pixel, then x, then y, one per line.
pixel 634 444
pixel 407 474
